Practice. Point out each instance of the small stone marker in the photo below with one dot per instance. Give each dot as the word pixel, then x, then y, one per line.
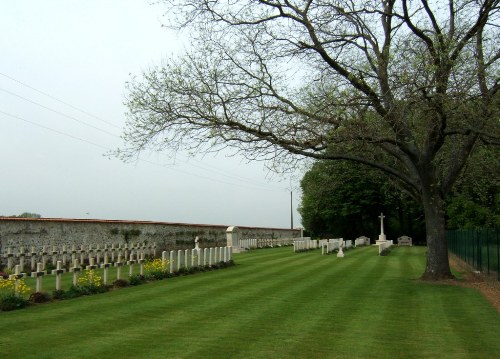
pixel 205 256
pixel 38 275
pixel 76 271
pixel 179 259
pixel 171 262
pixel 164 259
pixel 58 272
pixel 186 258
pixel 44 257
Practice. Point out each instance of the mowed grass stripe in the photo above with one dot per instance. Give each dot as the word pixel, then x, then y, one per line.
pixel 273 304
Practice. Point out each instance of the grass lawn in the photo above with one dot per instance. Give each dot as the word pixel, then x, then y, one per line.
pixel 272 304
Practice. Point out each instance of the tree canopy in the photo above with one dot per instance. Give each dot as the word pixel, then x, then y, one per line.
pixel 344 199
pixel 406 87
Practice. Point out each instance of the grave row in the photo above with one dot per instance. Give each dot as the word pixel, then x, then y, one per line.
pixel 173 261
pixel 84 253
pixel 254 243
pixel 305 244
pixel 193 258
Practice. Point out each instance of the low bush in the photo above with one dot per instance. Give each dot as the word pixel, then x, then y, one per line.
pixel 39 297
pixel 12 301
pixel 120 283
pixel 137 279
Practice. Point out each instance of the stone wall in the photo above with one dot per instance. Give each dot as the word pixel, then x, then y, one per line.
pixel 37 232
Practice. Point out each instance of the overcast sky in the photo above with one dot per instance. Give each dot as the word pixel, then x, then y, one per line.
pixel 63 70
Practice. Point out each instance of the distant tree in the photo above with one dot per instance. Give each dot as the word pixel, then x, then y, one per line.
pixel 28 215
pixel 344 199
pixel 406 87
pixel 475 199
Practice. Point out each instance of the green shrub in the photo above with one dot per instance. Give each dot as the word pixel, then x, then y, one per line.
pixel 39 297
pixel 59 294
pixel 120 283
pixel 12 301
pixel 137 279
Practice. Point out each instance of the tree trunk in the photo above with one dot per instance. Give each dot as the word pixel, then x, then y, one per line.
pixel 438 266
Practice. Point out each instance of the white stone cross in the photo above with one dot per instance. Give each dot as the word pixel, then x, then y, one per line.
pixel 38 275
pixel 21 256
pixel 76 270
pixel 381 223
pixel 118 265
pixel 16 276
pixel 105 267
pixel 9 256
pixel 58 272
pixel 131 264
pixel 141 261
pixel 382 237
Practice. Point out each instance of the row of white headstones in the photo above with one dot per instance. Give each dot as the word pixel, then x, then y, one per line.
pixel 173 261
pixel 63 254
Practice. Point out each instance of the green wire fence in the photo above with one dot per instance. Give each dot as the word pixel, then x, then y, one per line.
pixel 478 247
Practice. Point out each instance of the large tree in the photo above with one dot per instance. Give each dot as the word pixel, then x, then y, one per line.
pixel 406 87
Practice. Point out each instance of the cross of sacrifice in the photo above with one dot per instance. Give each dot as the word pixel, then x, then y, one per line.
pixel 381 223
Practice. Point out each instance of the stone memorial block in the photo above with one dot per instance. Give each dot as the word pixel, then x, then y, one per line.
pixel 405 241
pixel 233 238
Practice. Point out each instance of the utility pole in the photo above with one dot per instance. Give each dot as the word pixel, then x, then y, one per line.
pixel 291 209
